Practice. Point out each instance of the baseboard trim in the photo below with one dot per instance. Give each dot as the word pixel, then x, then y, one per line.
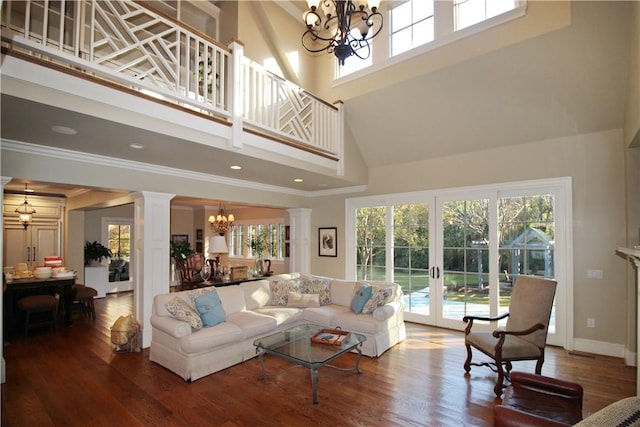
pixel 600 347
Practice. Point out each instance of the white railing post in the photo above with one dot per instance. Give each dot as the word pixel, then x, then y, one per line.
pixel 235 98
pixel 339 137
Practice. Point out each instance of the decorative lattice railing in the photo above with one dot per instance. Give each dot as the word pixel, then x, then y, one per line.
pixel 126 43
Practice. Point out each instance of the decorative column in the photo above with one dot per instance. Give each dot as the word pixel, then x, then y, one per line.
pixel 300 222
pixel 634 256
pixel 150 256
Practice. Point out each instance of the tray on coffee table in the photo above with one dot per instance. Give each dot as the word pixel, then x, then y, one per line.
pixel 330 336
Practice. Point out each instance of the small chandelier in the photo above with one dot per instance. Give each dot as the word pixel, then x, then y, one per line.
pixel 222 222
pixel 25 211
pixel 347 28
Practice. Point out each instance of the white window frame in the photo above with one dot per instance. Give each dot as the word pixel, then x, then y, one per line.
pixel 444 34
pixel 563 211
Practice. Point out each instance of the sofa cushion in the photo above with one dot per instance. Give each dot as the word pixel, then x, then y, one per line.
pixel 311 284
pixel 324 315
pixel 209 338
pixel 360 297
pixel 381 295
pixel 232 298
pixel 252 324
pixel 342 292
pixel 256 294
pixel 280 289
pixel 210 309
pixel 283 315
pixel 303 300
pixel 181 310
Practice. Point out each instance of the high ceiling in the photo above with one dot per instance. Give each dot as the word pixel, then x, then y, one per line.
pixel 570 81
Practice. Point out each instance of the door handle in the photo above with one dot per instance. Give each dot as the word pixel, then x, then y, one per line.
pixel 438 272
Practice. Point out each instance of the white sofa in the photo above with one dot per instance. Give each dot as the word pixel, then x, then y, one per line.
pixel 255 309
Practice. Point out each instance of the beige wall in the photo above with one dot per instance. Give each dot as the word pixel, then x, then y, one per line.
pixel 632 111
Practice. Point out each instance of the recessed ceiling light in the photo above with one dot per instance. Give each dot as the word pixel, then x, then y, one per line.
pixel 64 130
pixel 298 180
pixel 136 145
pixel 236 167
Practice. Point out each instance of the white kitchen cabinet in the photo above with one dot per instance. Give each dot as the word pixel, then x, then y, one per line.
pixel 40 239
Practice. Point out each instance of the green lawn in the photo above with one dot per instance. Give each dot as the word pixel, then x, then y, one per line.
pixel 454 284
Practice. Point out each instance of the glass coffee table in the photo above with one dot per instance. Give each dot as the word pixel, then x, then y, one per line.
pixel 295 345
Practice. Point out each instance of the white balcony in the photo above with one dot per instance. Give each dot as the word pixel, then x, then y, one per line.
pixel 128 47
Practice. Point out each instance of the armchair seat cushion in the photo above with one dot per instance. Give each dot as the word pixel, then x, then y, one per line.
pixel 513 348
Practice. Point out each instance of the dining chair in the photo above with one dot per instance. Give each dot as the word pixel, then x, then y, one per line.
pixel 35 308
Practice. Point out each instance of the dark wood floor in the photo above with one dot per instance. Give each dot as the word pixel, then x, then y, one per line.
pixel 73 377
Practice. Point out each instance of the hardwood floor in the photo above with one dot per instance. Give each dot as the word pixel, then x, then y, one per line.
pixel 73 377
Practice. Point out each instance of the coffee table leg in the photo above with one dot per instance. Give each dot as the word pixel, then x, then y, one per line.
pixel 264 371
pixel 314 383
pixel 358 359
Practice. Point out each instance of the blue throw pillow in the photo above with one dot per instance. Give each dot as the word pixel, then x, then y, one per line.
pixel 362 295
pixel 210 308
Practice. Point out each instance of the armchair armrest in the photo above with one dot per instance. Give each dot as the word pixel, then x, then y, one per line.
pixel 470 319
pixel 498 333
pixel 547 384
pixel 174 327
pixel 505 416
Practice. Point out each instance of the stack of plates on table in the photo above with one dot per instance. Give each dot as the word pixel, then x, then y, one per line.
pixel 63 273
pixel 43 272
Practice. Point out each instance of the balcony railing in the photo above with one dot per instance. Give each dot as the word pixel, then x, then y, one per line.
pixel 126 43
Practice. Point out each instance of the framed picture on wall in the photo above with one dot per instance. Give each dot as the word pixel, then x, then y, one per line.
pixel 327 242
pixel 199 247
pixel 199 234
pixel 178 238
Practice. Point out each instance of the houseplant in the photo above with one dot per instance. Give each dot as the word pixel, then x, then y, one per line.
pixel 181 250
pixel 258 244
pixel 94 252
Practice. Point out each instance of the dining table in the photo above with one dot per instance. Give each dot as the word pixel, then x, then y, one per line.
pixel 19 288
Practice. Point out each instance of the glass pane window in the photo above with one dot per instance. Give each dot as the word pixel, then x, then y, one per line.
pixel 371 243
pixel 470 12
pixel 411 254
pixel 119 242
pixel 465 236
pixel 412 25
pixel 526 227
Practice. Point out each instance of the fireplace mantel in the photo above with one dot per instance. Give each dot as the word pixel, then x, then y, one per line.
pixel 633 254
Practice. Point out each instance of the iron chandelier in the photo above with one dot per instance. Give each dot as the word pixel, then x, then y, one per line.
pixel 346 29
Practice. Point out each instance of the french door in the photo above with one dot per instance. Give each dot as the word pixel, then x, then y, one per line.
pixel 457 253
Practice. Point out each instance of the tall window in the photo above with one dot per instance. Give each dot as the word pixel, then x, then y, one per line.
pixel 411 253
pixel 119 237
pixel 241 232
pixel 457 252
pixel 371 245
pixel 411 25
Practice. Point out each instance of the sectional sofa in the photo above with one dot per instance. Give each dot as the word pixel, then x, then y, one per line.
pixel 257 308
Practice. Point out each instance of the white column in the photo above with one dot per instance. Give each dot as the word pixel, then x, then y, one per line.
pixel 3 369
pixel 151 255
pixel 300 222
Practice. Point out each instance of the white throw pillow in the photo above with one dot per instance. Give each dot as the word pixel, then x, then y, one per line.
pixel 299 300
